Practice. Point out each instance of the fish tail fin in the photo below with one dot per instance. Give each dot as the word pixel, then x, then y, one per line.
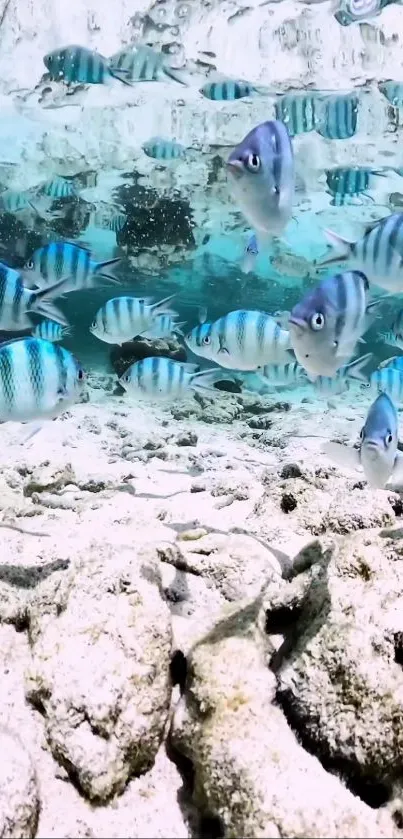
pixel 100 266
pixel 177 328
pixel 206 379
pixel 122 75
pixel 354 369
pixel 161 308
pixel 339 244
pixel 42 302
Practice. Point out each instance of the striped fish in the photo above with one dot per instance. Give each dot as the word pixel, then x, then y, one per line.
pixel 38 380
pixel 60 260
pixel 165 326
pixel 341 381
pixel 393 91
pixel 199 340
pixel 122 318
pixel 143 64
pixel 378 454
pixel 387 380
pixel 242 340
pixel 49 330
pixel 339 120
pixel 227 90
pixel 379 253
pixel 59 187
pixel 347 183
pixel 162 149
pixel 283 375
pixel 16 301
pixel 298 112
pixel 73 64
pixel 395 336
pixel 164 378
pixel 13 201
pixel 329 320
pixel 262 177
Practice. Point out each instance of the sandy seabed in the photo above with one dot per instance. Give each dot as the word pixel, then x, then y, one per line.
pixel 149 528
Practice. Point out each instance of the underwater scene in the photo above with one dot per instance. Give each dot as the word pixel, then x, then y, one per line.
pixel 201 386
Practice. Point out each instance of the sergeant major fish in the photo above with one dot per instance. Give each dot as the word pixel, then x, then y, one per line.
pixel 223 90
pixel 38 380
pixel 165 326
pixel 327 323
pixel 340 382
pixel 242 340
pixel 262 177
pixel 164 378
pixel 377 454
pixel 142 63
pixel 339 120
pixel 16 301
pixel 62 260
pixel 379 253
pixel 162 149
pixel 298 112
pixel 122 318
pixel 387 379
pixel 49 330
pixel 73 64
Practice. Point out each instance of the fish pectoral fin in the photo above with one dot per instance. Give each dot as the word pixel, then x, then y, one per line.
pixel 344 456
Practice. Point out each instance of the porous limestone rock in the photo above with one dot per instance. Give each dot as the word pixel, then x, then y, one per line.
pixel 341 681
pixel 101 641
pixel 19 796
pixel 250 772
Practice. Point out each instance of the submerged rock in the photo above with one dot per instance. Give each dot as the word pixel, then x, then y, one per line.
pixel 251 775
pixel 122 357
pixel 101 643
pixel 19 796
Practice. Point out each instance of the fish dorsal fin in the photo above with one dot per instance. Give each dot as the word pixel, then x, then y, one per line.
pixel 369 226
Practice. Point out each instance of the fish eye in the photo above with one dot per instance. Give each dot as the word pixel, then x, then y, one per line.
pixel 253 162
pixel 361 434
pixel 388 439
pixel 30 264
pixel 207 340
pixel 317 321
pixel 80 374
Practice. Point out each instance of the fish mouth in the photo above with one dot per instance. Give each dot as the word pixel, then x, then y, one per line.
pixel 297 322
pixel 235 167
pixel 372 449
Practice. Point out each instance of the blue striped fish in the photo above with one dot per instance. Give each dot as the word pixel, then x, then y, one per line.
pixel 387 380
pixel 224 90
pixel 377 455
pixel 262 177
pixel 393 91
pixel 162 149
pixel 283 375
pixel 250 255
pixel 49 330
pixel 242 340
pixel 13 201
pixel 165 326
pixel 345 183
pixel 164 378
pixel 339 120
pixel 60 260
pixel 327 323
pixel 141 63
pixel 74 63
pixel 38 380
pixel 341 381
pixel 379 253
pixel 59 187
pixel 298 112
pixel 16 301
pixel 122 318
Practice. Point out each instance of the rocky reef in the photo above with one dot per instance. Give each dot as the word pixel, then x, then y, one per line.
pixel 201 629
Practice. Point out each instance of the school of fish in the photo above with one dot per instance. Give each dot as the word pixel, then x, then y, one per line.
pixel 316 344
